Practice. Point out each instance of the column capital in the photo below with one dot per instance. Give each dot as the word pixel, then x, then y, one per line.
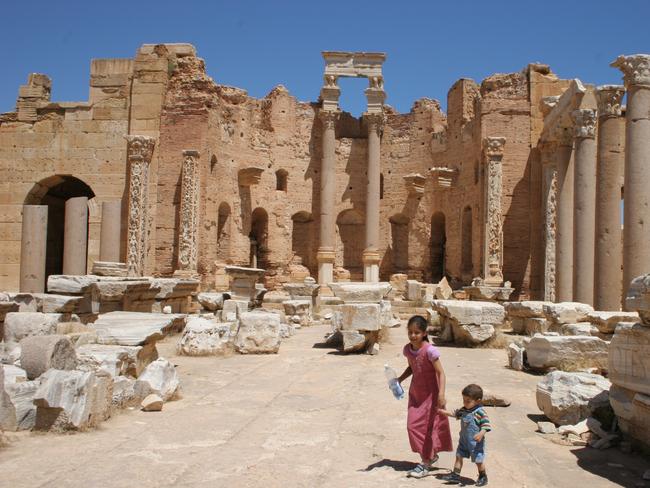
pixel 493 147
pixel 635 68
pixel 609 100
pixel 191 153
pixel 375 121
pixel 139 148
pixel 329 118
pixel 585 123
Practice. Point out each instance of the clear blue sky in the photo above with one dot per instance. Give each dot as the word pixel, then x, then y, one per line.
pixel 256 45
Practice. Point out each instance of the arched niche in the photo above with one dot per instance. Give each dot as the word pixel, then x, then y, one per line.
pixel 259 238
pixel 303 239
pixel 399 227
pixel 438 243
pixel 223 232
pixel 351 226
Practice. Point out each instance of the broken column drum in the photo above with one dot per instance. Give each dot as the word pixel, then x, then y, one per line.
pixel 139 154
pixel 75 236
pixel 33 247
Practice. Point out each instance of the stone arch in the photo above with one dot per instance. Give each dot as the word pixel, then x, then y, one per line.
pixel 223 232
pixel 466 266
pixel 438 243
pixel 281 180
pixel 399 227
pixel 259 238
pixel 302 239
pixel 351 226
pixel 54 191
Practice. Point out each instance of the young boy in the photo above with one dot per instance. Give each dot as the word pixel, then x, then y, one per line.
pixel 474 425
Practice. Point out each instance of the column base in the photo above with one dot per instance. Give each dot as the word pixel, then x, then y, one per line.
pixel 371 261
pixel 325 259
pixel 186 273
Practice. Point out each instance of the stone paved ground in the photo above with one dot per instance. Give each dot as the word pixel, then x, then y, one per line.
pixel 307 417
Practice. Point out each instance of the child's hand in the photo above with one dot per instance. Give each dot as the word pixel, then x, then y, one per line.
pixel 442 402
pixel 479 437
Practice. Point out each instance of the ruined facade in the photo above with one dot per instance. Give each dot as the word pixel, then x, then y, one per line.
pixel 208 176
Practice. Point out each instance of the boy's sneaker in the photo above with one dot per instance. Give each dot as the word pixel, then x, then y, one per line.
pixel 452 478
pixel 420 471
pixel 482 480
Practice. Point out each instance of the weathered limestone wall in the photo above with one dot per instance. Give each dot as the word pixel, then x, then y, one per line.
pixel 259 166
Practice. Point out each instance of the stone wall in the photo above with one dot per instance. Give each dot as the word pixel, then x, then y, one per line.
pixel 259 165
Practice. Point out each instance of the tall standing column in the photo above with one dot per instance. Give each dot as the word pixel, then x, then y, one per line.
pixel 636 218
pixel 75 236
pixel 139 153
pixel 564 232
pixel 188 235
pixel 326 249
pixel 33 248
pixel 109 242
pixel 375 122
pixel 493 216
pixel 584 197
pixel 608 277
pixel 549 201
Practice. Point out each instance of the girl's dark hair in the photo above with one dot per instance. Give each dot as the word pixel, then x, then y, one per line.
pixel 421 323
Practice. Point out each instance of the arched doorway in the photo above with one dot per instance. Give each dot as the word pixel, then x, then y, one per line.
pixel 399 228
pixel 302 239
pixel 223 232
pixel 466 268
pixel 54 192
pixel 438 243
pixel 259 237
pixel 352 234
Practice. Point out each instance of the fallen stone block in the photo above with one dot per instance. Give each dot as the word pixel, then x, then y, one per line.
pixel 566 352
pixel 516 357
pixel 203 337
pixel 566 313
pixel 22 397
pixel 72 400
pixel 360 316
pixel 13 374
pixel 466 312
pixel 26 301
pixel 579 329
pixel 70 284
pixel 162 378
pixel 7 409
pixel 629 357
pixel 40 353
pixel 232 309
pixel 637 298
pixel 135 328
pixel 351 292
pixel 259 333
pixel 525 309
pixel 297 307
pixel 443 290
pixel 568 398
pixel 19 325
pixel 152 403
pixel 128 392
pixel 633 412
pixel 212 301
pixel 413 290
pixel 546 428
pixel 357 341
pixel 50 303
pixel 577 429
pixel 607 321
pixel 116 360
pixel 471 334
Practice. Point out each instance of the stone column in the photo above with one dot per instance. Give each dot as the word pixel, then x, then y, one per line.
pixel 139 153
pixel 109 242
pixel 75 236
pixel 188 235
pixel 375 122
pixel 564 231
pixel 584 197
pixel 33 248
pixel 549 202
pixel 326 249
pixel 492 214
pixel 608 277
pixel 636 228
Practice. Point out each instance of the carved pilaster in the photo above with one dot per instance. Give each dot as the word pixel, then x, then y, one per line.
pixel 139 153
pixel 585 123
pixel 188 235
pixel 549 168
pixel 609 100
pixel 492 267
pixel 635 68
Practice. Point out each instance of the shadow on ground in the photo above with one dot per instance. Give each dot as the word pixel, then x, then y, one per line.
pixel 613 465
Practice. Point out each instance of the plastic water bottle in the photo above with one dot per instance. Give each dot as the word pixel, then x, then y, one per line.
pixel 393 384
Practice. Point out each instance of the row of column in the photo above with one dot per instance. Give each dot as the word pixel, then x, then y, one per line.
pixel 589 254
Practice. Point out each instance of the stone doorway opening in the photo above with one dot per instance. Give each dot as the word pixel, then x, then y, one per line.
pixel 399 228
pixel 302 239
pixel 259 237
pixel 351 226
pixel 438 243
pixel 54 192
pixel 466 266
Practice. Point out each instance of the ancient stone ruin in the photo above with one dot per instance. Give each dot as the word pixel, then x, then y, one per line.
pixel 170 207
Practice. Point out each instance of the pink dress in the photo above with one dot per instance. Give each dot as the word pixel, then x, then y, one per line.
pixel 428 429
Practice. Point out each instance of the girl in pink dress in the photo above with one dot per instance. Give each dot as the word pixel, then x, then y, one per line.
pixel 427 427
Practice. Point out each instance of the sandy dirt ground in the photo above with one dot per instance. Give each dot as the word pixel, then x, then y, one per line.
pixel 306 417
